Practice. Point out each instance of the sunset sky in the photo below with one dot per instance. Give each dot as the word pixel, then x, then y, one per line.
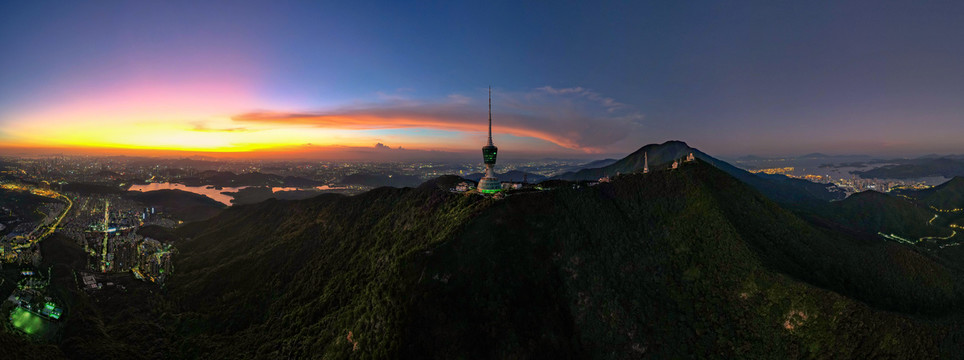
pixel 310 80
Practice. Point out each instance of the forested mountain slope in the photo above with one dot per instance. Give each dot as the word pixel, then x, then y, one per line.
pixel 688 262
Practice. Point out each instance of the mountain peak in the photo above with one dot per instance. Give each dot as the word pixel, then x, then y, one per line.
pixel 777 187
pixel 670 143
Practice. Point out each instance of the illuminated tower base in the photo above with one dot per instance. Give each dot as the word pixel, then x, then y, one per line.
pixel 489 183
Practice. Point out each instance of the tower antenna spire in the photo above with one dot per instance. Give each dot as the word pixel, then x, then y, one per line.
pixel 490 114
pixel 489 184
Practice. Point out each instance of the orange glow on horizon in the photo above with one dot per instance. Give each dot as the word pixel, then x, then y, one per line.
pixel 185 117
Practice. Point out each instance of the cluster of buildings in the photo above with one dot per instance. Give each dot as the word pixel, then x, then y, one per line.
pixel 774 171
pixel 105 225
pixel 849 184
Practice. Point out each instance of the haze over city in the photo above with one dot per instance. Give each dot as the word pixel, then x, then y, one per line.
pixel 327 80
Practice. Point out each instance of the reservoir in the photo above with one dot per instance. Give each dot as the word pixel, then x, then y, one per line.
pixel 213 193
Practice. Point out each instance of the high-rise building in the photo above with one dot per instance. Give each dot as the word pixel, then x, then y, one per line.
pixel 489 183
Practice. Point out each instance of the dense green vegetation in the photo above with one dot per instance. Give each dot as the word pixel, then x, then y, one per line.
pixel 308 271
pixel 16 347
pixel 672 264
pixel 874 212
pixel 645 265
pixel 635 267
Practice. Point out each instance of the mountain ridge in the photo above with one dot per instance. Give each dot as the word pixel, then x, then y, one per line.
pixel 777 187
pixel 475 284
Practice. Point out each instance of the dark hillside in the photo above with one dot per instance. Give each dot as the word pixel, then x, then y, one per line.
pixel 875 212
pixel 308 271
pixel 650 262
pixel 636 267
pixel 182 205
pixel 16 347
pixel 946 196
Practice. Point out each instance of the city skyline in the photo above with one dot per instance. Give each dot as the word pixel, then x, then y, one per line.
pixel 407 82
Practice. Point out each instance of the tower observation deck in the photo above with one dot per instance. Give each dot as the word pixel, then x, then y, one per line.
pixel 489 183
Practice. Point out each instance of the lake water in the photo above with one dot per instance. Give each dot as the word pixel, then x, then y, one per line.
pixel 211 192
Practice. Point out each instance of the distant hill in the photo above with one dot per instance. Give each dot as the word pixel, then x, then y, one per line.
pixel 598 163
pixel 936 156
pixel 183 205
pixel 825 156
pixel 874 212
pixel 378 180
pixel 750 158
pixel 632 267
pixel 230 179
pixel 447 182
pixel 949 195
pixel 777 187
pixel 256 194
pixel 512 175
pixel 659 157
pixel 917 168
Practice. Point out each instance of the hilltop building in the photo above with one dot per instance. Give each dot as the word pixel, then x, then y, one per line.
pixel 690 157
pixel 463 187
pixel 489 183
pixel 511 185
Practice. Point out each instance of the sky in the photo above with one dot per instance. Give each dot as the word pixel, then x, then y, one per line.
pixel 409 80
